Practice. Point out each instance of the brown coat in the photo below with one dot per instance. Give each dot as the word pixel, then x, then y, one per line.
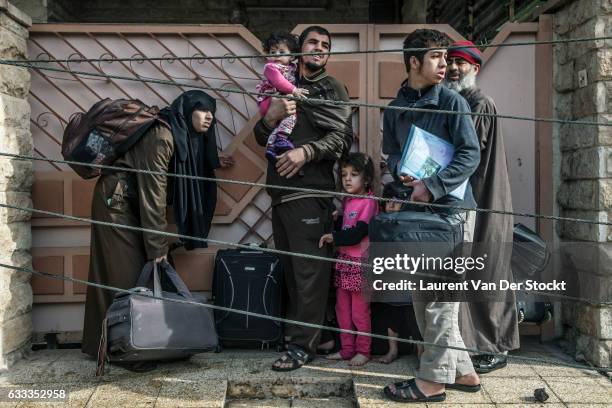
pixel 491 326
pixel 118 255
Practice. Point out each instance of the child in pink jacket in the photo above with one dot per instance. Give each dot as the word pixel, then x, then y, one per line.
pixel 352 304
pixel 280 77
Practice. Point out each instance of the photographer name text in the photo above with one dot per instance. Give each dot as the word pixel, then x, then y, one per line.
pixel 529 285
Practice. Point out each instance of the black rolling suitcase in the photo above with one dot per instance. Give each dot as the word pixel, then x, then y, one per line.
pixel 248 280
pixel 530 258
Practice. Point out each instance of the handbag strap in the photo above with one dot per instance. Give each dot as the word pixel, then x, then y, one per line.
pixel 173 247
pixel 157 289
pixel 155 270
pixel 176 280
pixel 149 271
pixel 102 350
pixel 145 275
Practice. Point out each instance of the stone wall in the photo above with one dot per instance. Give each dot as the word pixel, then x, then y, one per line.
pixel 43 11
pixel 15 185
pixel 583 91
pixel 37 10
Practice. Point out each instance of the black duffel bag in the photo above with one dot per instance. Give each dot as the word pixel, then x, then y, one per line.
pixel 139 328
pixel 417 227
pixel 415 233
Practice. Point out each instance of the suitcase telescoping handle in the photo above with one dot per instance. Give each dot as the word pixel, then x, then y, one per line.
pixel 153 270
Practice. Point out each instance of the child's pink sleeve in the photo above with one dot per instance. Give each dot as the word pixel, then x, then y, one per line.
pixel 277 79
pixel 369 210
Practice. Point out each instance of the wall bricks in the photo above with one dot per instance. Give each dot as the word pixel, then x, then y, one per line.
pixel 582 163
pixel 589 100
pixel 585 190
pixel 15 185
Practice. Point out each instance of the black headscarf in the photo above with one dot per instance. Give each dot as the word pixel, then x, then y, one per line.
pixel 195 154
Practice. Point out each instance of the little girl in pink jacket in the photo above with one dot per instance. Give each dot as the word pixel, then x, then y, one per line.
pixel 280 77
pixel 352 243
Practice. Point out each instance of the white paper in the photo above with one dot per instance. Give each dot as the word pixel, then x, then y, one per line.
pixel 425 154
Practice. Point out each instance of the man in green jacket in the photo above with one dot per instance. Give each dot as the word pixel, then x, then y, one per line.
pixel 322 135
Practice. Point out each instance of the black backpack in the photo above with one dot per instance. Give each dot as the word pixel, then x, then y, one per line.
pixel 105 132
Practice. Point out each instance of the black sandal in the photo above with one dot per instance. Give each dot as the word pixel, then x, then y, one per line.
pixel 463 387
pixel 296 357
pixel 402 393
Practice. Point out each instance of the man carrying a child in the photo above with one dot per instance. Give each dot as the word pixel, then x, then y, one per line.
pixel 322 134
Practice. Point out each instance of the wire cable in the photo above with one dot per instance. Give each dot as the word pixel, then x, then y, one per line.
pixel 308 190
pixel 270 250
pixel 300 54
pixel 305 324
pixel 311 100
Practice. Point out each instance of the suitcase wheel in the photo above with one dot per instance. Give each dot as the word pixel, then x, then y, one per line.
pixel 547 316
pixel 219 348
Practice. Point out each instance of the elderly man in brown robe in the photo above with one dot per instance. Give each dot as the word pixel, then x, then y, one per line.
pixel 489 326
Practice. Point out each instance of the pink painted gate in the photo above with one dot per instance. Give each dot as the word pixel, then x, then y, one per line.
pixel 243 213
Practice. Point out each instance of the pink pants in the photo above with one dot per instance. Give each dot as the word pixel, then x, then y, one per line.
pixel 353 313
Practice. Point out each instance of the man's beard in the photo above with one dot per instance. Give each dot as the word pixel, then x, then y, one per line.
pixel 467 82
pixel 313 66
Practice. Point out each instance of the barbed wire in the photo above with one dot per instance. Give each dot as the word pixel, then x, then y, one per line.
pixel 307 190
pixel 305 324
pixel 309 100
pixel 300 54
pixel 271 250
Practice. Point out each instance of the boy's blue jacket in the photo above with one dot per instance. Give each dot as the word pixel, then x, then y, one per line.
pixel 456 129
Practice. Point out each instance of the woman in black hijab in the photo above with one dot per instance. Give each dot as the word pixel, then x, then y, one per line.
pixel 183 141
pixel 191 117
